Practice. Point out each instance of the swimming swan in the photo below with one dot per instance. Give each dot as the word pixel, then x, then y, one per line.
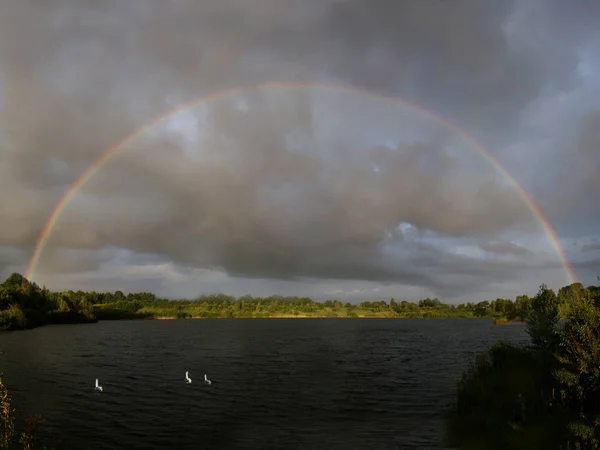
pixel 187 378
pixel 98 387
pixel 206 380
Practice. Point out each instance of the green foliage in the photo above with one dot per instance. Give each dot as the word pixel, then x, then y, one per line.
pixel 13 318
pixel 26 305
pixel 183 315
pixel 23 304
pixel 578 374
pixel 500 404
pixel 542 396
pixel 542 320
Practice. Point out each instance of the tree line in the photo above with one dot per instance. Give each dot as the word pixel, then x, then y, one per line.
pixel 24 304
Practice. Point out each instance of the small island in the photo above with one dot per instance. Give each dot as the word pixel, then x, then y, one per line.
pixel 24 304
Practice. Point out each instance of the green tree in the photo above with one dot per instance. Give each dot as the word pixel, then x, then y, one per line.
pixel 15 282
pixel 482 309
pixel 579 372
pixel 542 320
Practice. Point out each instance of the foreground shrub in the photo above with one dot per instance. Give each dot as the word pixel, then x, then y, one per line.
pixel 8 434
pixel 13 318
pixel 503 402
pixel 544 396
pixel 578 374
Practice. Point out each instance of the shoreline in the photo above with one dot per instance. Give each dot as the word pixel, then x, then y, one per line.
pixel 278 316
pixel 290 316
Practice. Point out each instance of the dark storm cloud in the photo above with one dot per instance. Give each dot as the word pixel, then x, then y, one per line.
pixel 78 76
pixel 257 207
pixel 442 52
pixel 457 56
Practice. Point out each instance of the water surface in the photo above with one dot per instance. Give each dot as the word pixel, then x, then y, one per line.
pixel 277 383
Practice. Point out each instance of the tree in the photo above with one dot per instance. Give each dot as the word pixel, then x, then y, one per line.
pixel 15 282
pixel 579 371
pixel 542 320
pixel 4 298
pixel 522 304
pixel 482 308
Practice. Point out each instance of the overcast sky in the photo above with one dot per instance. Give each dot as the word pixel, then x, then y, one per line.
pixel 316 191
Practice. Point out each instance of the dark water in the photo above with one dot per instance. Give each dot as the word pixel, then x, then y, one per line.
pixel 277 383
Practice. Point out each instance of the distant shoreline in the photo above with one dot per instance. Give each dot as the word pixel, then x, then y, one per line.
pixel 134 317
pixel 285 316
pixel 27 305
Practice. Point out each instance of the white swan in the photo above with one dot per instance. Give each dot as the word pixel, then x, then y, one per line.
pixel 98 387
pixel 206 380
pixel 187 378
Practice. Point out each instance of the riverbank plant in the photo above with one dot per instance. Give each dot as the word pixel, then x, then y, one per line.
pixel 10 438
pixel 545 395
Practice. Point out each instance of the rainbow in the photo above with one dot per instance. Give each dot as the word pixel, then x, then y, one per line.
pixel 211 97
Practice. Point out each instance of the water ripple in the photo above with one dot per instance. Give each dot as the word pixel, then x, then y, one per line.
pixel 275 383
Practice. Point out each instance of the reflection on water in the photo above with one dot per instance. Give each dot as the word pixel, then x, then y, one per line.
pixel 276 383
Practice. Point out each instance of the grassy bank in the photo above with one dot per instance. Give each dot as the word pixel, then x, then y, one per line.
pixel 204 310
pixel 500 321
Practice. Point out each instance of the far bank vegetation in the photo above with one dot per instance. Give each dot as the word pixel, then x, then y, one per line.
pixel 24 304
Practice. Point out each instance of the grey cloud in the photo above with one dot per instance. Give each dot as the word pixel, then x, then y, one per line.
pixel 506 248
pixel 451 55
pixel 474 277
pixel 258 207
pixel 454 56
pixel 77 77
pixel 8 256
pixel 586 158
pixel 73 261
pixel 574 187
pixel 591 247
pixel 590 267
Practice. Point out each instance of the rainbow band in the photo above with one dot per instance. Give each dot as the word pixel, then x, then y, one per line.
pixel 472 141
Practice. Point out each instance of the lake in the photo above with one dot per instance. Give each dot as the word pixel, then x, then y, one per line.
pixel 276 383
